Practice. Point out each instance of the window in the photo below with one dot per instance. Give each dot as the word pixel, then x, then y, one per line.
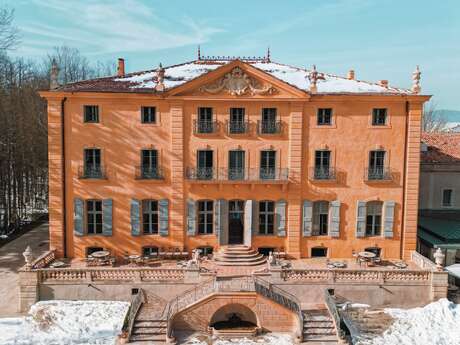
pixel 150 216
pixel 267 165
pixel 379 117
pixel 236 165
pixel 269 124
pixel 320 218
pixel 91 113
pixel 150 251
pixel 205 123
pixel 322 163
pixel 265 251
pixel 92 167
pixel 266 217
pixel 205 251
pixel 373 218
pixel 204 164
pixel 324 116
pixel 91 250
pixel 149 167
pixel 94 216
pixel 447 197
pixel 376 165
pixel 205 216
pixel 148 115
pixel 237 124
pixel 318 252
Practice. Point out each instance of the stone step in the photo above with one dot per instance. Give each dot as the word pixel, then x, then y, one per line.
pixel 148 337
pixel 149 330
pixel 319 330
pixel 318 324
pixel 237 255
pixel 243 263
pixel 149 323
pixel 320 338
pixel 238 258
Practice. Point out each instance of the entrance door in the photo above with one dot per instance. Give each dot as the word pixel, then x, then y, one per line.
pixel 235 222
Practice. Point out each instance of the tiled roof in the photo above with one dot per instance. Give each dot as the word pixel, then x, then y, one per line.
pixel 179 74
pixel 441 148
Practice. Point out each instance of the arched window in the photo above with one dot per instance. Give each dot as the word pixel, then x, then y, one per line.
pixel 205 216
pixel 320 218
pixel 150 216
pixel 266 217
pixel 150 251
pixel 374 218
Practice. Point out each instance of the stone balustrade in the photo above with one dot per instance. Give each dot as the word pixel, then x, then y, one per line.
pixel 422 261
pixel 44 260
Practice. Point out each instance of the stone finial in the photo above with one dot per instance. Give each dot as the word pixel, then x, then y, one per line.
pixel 416 88
pixel 54 74
pixel 199 53
pixel 121 67
pixel 439 258
pixel 313 77
pixel 160 78
pixel 28 257
pixel 383 83
pixel 351 74
pixel 268 58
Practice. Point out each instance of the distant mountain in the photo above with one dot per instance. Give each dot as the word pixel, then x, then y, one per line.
pixel 450 115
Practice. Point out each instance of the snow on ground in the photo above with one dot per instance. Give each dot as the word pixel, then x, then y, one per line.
pixel 437 323
pixel 66 323
pixel 272 339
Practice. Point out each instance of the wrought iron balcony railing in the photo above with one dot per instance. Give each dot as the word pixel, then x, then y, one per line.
pixel 378 173
pixel 201 173
pixel 269 127
pixel 238 127
pixel 149 173
pixel 92 172
pixel 323 173
pixel 205 127
pixel 238 174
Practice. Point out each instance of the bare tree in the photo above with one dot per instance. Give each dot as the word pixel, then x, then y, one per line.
pixel 433 120
pixel 9 34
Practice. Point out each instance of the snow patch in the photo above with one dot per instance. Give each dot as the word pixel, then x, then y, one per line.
pixel 272 339
pixel 66 322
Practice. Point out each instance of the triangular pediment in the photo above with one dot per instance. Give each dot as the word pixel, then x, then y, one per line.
pixel 237 79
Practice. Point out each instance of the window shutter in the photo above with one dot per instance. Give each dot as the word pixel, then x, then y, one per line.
pixel 78 209
pixel 218 226
pixel 135 217
pixel 307 215
pixel 334 220
pixel 107 217
pixel 280 217
pixel 163 210
pixel 191 217
pixel 360 219
pixel 389 209
pixel 255 217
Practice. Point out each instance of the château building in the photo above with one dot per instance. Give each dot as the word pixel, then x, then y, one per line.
pixel 224 150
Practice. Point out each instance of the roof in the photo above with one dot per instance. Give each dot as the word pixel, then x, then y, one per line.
pixel 177 75
pixel 441 148
pixel 439 232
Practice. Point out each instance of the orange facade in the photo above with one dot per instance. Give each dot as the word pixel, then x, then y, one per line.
pixel 292 220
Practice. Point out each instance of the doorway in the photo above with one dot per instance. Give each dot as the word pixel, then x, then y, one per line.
pixel 236 222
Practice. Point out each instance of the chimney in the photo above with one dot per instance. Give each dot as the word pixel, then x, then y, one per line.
pixel 351 74
pixel 54 74
pixel 121 67
pixel 383 83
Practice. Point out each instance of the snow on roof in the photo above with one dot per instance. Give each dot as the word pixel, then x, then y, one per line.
pixel 180 74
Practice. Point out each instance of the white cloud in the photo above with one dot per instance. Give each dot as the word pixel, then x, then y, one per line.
pixel 106 27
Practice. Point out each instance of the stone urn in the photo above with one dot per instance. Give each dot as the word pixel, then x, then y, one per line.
pixel 28 257
pixel 439 258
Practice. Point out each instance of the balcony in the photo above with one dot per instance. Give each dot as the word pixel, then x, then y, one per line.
pixel 238 175
pixel 149 173
pixel 322 174
pixel 377 174
pixel 269 127
pixel 92 172
pixel 238 127
pixel 205 127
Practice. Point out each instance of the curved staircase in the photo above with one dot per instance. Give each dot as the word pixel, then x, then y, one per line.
pixel 238 255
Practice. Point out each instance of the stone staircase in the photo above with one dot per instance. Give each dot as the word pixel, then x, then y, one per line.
pixel 318 327
pixel 238 255
pixel 367 323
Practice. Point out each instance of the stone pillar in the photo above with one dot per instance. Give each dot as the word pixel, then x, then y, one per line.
pixel 439 285
pixel 295 177
pixel 28 289
pixel 192 275
pixel 177 210
pixel 56 177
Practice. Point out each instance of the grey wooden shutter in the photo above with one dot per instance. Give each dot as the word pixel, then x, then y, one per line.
pixel 334 220
pixel 255 217
pixel 107 217
pixel 360 219
pixel 389 214
pixel 218 224
pixel 307 215
pixel 135 217
pixel 280 217
pixel 163 210
pixel 78 209
pixel 223 235
pixel 191 217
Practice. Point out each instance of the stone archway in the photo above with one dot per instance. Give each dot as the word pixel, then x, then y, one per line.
pixel 234 315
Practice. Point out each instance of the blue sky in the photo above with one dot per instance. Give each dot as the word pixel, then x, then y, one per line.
pixel 381 39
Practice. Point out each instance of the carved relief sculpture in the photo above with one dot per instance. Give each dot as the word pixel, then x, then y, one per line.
pixel 238 83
